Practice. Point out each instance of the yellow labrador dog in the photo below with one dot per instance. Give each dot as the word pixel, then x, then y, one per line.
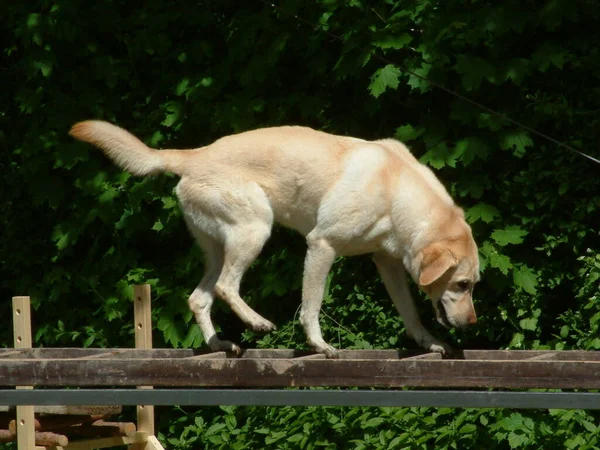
pixel 347 196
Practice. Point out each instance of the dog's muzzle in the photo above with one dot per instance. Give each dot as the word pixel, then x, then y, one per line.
pixel 442 315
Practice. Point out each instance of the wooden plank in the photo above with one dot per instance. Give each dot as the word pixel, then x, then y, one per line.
pixel 214 355
pixel 153 444
pixel 423 356
pixel 161 353
pixel 6 436
pixel 543 357
pixel 80 410
pixel 119 353
pixel 104 355
pixel 143 340
pixel 54 422
pixel 90 444
pixel 517 355
pixel 50 439
pixel 22 339
pixel 310 372
pixel 10 352
pixel 313 356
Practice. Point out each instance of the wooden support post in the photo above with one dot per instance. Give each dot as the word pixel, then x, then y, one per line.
pixel 22 339
pixel 143 340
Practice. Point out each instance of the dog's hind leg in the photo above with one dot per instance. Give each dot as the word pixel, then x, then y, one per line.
pixel 202 298
pixel 242 246
pixel 233 221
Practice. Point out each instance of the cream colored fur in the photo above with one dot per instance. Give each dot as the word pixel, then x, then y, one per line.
pixel 347 196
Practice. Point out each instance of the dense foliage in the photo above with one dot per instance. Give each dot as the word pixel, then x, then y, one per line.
pixel 77 232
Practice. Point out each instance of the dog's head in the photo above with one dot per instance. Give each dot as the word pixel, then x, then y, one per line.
pixel 448 272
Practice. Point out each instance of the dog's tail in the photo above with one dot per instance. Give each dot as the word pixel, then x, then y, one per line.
pixel 126 150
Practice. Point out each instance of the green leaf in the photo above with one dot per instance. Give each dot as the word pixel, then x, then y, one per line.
pixel 418 78
pixel 296 437
pixel 182 87
pixel 548 54
pixel 518 140
pixel 469 148
pixel 407 133
pixel 468 428
pixel 383 79
pixel 158 226
pixel 394 41
pixel 496 259
pixel 194 338
pixel 213 429
pixel 529 324
pixel 510 235
pixel 525 278
pixel 374 422
pixel 483 211
pixel 517 439
pixel 516 69
pixel 474 70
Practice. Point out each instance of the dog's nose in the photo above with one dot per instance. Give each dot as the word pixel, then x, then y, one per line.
pixel 472 319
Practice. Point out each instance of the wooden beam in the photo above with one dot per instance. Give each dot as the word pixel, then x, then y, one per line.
pixel 22 339
pixel 143 340
pixel 153 444
pixel 231 372
pixel 423 356
pixel 132 353
pixel 78 410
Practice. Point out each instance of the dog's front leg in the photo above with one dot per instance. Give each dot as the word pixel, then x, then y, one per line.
pixel 394 277
pixel 319 258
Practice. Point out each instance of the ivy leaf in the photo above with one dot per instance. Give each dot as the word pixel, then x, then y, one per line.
pixel 518 140
pixel 509 235
pixel 525 278
pixel 482 211
pixel 383 79
pixel 394 41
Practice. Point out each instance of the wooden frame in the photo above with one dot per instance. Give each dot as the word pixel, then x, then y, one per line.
pixel 25 422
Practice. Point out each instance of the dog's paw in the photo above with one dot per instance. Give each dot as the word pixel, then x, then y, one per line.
pixel 441 347
pixel 263 326
pixel 329 351
pixel 217 345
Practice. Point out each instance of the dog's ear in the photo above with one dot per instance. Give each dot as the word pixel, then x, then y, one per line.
pixel 437 259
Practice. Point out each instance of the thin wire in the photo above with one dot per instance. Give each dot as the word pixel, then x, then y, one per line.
pixel 439 86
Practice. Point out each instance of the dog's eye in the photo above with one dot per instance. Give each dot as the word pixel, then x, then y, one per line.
pixel 463 285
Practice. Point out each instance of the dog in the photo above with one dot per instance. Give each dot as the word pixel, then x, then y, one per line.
pixel 345 195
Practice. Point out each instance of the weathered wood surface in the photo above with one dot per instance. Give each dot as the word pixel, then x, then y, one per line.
pixel 285 368
pixel 80 410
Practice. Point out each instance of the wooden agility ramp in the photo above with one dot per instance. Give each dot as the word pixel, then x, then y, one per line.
pixel 188 376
